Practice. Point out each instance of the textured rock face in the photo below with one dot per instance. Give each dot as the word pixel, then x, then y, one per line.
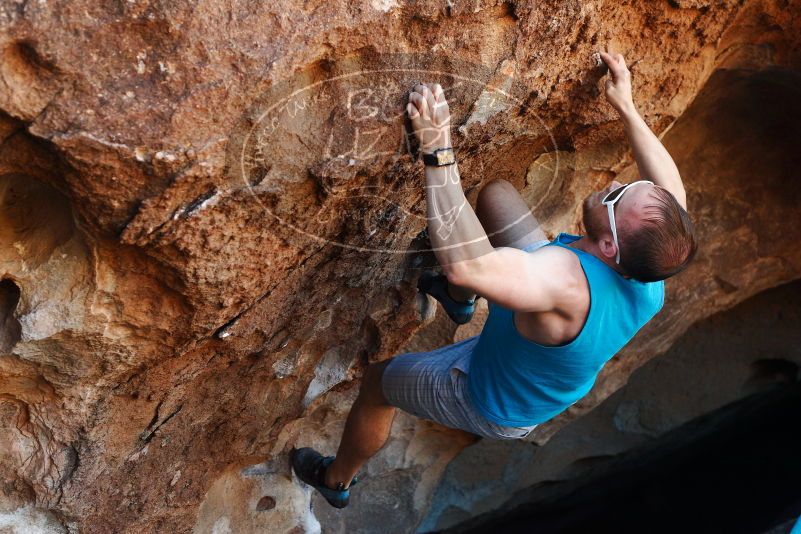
pixel 179 305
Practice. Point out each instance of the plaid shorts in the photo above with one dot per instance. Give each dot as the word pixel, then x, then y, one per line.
pixel 433 385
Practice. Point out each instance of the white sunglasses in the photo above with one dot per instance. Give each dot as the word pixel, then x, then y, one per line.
pixel 609 201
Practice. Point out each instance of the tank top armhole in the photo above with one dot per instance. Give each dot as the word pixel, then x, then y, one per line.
pixel 587 320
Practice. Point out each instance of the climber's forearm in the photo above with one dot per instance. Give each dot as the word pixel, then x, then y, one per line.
pixel 653 159
pixel 454 230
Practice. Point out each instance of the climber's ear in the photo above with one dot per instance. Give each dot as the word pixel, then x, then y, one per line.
pixel 606 244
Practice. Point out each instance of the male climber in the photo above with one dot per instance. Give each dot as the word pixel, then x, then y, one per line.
pixel 558 310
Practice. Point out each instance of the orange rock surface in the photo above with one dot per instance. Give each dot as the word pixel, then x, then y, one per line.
pixel 211 223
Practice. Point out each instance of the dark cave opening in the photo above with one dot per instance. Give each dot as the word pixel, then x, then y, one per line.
pixel 10 329
pixel 736 469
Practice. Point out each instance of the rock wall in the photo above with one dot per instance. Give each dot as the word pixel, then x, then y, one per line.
pixel 190 287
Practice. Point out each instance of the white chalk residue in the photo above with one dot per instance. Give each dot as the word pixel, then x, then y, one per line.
pixel 309 522
pixel 30 520
pixel 332 369
pixel 384 5
pixel 488 104
pixel 221 526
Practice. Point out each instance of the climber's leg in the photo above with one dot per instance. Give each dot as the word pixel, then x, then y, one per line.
pixel 507 220
pixel 366 429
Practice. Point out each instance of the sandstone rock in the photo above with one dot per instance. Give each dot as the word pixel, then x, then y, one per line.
pixel 165 314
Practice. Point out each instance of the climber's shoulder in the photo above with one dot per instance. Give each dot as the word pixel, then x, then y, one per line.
pixel 539 281
pixel 565 276
pixel 550 279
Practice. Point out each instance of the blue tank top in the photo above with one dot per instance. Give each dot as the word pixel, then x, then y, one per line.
pixel 514 381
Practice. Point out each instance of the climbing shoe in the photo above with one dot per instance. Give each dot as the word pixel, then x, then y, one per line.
pixel 436 285
pixel 309 466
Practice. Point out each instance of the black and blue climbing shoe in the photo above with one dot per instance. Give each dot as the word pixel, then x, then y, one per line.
pixel 309 466
pixel 436 285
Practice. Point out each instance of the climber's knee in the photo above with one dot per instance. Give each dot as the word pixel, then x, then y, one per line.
pixel 492 196
pixel 505 215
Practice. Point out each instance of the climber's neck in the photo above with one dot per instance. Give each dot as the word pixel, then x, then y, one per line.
pixel 591 247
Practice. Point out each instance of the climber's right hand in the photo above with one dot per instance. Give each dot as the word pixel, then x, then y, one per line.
pixel 618 86
pixel 431 117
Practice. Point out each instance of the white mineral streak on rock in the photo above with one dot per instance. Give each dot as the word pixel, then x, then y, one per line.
pixel 332 370
pixel 163 155
pixel 140 62
pixel 30 520
pixel 487 105
pixel 212 200
pixel 96 139
pixel 221 526
pixel 493 98
pixel 324 321
pixel 383 5
pixel 284 367
pixel 138 454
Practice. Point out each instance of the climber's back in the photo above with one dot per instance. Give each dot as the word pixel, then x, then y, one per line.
pixel 516 381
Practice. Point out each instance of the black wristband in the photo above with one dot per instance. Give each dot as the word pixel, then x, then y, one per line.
pixel 440 157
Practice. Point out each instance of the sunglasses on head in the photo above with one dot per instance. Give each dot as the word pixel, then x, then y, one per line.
pixel 609 201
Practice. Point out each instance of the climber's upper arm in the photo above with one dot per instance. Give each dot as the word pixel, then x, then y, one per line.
pixel 517 280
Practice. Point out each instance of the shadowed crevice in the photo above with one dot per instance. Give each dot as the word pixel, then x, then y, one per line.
pixel 10 329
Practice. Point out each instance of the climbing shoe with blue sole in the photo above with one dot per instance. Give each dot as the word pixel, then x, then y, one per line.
pixel 436 285
pixel 309 466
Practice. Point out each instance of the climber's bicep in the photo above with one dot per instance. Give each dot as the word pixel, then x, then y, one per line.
pixel 514 279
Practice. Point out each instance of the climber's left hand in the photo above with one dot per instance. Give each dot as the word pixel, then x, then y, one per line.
pixel 430 116
pixel 618 86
